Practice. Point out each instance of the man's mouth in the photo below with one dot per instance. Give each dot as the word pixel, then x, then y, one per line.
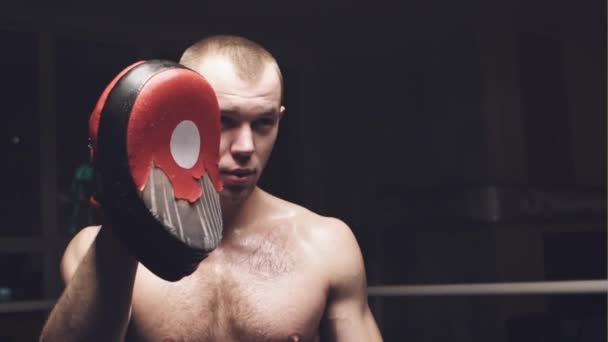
pixel 238 176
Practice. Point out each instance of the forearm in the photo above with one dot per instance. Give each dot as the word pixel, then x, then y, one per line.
pixel 95 305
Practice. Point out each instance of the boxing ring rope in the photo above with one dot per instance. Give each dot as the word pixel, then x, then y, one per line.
pixel 493 289
pixel 26 306
pixel 514 288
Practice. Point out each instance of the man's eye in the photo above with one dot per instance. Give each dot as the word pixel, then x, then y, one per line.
pixel 265 122
pixel 228 122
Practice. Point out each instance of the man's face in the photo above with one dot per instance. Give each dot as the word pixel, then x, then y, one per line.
pixel 250 113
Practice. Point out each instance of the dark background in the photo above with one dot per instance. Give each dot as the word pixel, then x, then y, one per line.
pixel 462 141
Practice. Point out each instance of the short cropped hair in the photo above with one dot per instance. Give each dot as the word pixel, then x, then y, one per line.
pixel 248 57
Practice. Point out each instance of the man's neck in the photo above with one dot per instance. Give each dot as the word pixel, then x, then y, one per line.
pixel 237 214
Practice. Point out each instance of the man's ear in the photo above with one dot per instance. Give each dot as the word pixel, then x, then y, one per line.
pixel 281 112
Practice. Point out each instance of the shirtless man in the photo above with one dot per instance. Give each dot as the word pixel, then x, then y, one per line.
pixel 281 272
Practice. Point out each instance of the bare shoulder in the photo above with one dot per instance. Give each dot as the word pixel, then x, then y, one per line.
pixel 337 249
pixel 309 222
pixel 334 239
pixel 329 238
pixel 329 232
pixel 76 250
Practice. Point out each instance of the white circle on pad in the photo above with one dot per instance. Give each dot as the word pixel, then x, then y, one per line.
pixel 185 144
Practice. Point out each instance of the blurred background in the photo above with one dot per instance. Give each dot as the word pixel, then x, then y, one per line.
pixel 462 141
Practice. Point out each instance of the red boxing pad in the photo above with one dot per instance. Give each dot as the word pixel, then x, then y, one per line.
pixel 167 131
pixel 155 134
pixel 171 104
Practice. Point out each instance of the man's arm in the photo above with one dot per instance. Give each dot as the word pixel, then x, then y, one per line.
pixel 95 306
pixel 347 316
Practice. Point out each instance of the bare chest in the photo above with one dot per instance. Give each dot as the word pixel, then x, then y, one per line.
pixel 258 298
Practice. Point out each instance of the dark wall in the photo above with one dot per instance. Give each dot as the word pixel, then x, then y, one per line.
pixel 431 129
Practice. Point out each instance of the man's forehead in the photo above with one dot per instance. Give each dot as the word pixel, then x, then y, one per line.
pixel 216 70
pixel 221 74
pixel 237 105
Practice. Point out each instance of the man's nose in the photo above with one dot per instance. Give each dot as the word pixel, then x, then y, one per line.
pixel 243 145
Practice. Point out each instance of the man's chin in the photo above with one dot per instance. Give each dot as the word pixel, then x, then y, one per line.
pixel 234 194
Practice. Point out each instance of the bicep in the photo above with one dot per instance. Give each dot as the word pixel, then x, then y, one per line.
pixel 351 325
pixel 348 316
